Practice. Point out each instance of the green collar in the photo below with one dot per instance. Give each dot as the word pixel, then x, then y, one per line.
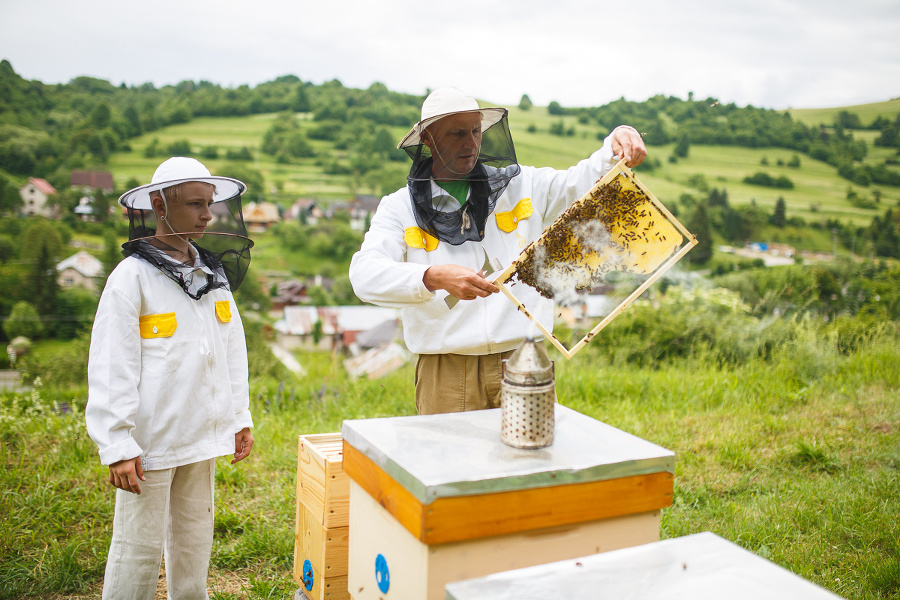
pixel 458 188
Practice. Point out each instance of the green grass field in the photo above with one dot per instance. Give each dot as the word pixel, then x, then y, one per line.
pixel 819 193
pixel 796 458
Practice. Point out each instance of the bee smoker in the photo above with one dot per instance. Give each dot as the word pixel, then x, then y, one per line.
pixel 527 397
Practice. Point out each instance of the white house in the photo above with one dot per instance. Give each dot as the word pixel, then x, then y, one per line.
pixel 35 194
pixel 81 269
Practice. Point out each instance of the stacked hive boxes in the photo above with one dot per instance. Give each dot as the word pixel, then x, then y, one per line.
pixel 321 540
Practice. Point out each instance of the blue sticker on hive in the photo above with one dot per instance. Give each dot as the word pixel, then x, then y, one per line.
pixel 307 575
pixel 382 574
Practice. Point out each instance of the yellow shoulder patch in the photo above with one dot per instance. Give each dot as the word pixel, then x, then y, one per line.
pixel 157 326
pixel 416 238
pixel 508 221
pixel 223 311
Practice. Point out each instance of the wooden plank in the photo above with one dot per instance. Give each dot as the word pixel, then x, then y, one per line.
pixel 465 517
pixel 323 487
pixel 395 498
pixel 327 550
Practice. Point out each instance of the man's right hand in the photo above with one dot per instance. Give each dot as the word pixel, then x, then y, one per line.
pixel 125 475
pixel 462 282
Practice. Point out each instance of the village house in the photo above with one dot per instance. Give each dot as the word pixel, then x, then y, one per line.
pixel 91 181
pixel 81 269
pixel 361 209
pixel 260 216
pixel 305 210
pixel 34 195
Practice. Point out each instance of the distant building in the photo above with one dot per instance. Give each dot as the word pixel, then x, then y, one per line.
pixel 89 181
pixel 260 216
pixel 361 210
pixel 338 325
pixel 34 195
pixel 305 210
pixel 81 269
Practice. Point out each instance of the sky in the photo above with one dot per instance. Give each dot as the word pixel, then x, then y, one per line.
pixel 767 53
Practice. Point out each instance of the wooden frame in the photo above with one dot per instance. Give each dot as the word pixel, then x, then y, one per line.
pixel 619 170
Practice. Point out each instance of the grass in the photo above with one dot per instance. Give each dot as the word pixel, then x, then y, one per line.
pixel 796 459
pixel 866 112
pixel 819 192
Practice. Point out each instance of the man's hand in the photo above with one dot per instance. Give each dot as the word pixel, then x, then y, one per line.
pixel 628 144
pixel 462 282
pixel 125 475
pixel 243 442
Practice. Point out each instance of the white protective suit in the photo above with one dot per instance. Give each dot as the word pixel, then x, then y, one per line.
pixel 388 268
pixel 167 375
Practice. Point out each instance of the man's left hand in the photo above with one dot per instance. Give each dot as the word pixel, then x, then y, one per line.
pixel 628 144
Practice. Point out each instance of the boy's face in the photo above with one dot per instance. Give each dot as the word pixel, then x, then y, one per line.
pixel 189 214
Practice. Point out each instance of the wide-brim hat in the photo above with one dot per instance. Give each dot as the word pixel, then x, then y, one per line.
pixel 447 101
pixel 181 169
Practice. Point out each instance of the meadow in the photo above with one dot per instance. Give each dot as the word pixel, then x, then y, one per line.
pixel 819 193
pixel 786 432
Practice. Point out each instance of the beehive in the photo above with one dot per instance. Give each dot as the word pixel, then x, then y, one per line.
pixel 617 227
pixel 321 538
pixel 440 498
pixel 702 566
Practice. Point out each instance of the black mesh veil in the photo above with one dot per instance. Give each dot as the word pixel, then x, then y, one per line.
pixel 223 248
pixel 444 218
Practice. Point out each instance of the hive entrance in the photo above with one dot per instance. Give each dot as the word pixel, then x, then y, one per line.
pixel 618 237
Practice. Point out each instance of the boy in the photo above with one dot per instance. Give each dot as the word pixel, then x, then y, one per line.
pixel 167 377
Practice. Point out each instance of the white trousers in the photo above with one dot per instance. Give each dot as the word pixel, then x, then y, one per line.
pixel 173 512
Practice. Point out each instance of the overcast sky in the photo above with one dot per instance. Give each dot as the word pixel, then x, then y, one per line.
pixel 768 53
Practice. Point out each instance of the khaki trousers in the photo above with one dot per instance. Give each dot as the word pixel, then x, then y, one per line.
pixel 175 511
pixel 458 382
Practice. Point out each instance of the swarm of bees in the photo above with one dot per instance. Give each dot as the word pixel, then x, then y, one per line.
pixel 615 227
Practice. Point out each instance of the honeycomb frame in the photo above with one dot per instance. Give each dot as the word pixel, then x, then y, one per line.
pixel 642 237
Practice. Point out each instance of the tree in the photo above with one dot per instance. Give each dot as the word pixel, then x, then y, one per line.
pixel 10 199
pixel 779 218
pixel 554 108
pixel 698 224
pixel 41 247
pixel 683 147
pixel 525 103
pixel 24 320
pixel 112 254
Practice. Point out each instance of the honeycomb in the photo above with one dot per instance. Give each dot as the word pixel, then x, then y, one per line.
pixel 614 227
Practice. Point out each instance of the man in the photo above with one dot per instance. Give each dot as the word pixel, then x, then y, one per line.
pixel 466 200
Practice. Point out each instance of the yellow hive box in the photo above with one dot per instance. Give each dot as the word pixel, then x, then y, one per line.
pixel 322 530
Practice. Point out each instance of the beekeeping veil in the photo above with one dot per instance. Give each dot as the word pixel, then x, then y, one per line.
pixel 441 216
pixel 223 248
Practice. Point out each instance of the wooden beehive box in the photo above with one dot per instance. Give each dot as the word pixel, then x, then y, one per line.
pixel 321 538
pixel 702 566
pixel 439 498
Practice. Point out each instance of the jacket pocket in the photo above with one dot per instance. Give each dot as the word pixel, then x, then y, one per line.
pixel 160 352
pixel 157 326
pixel 417 238
pixel 223 311
pixel 509 220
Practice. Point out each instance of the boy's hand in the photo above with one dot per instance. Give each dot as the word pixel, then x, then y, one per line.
pixel 125 475
pixel 243 441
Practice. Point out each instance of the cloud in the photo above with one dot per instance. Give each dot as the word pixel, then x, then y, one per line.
pixel 770 53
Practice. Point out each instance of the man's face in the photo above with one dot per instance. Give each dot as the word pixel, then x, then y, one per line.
pixel 189 214
pixel 455 142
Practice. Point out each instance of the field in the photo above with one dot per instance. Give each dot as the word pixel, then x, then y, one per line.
pixel 819 193
pixel 786 434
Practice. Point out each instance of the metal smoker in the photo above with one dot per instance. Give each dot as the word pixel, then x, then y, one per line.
pixel 527 397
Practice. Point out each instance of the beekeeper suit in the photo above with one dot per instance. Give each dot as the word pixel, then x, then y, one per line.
pixel 468 203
